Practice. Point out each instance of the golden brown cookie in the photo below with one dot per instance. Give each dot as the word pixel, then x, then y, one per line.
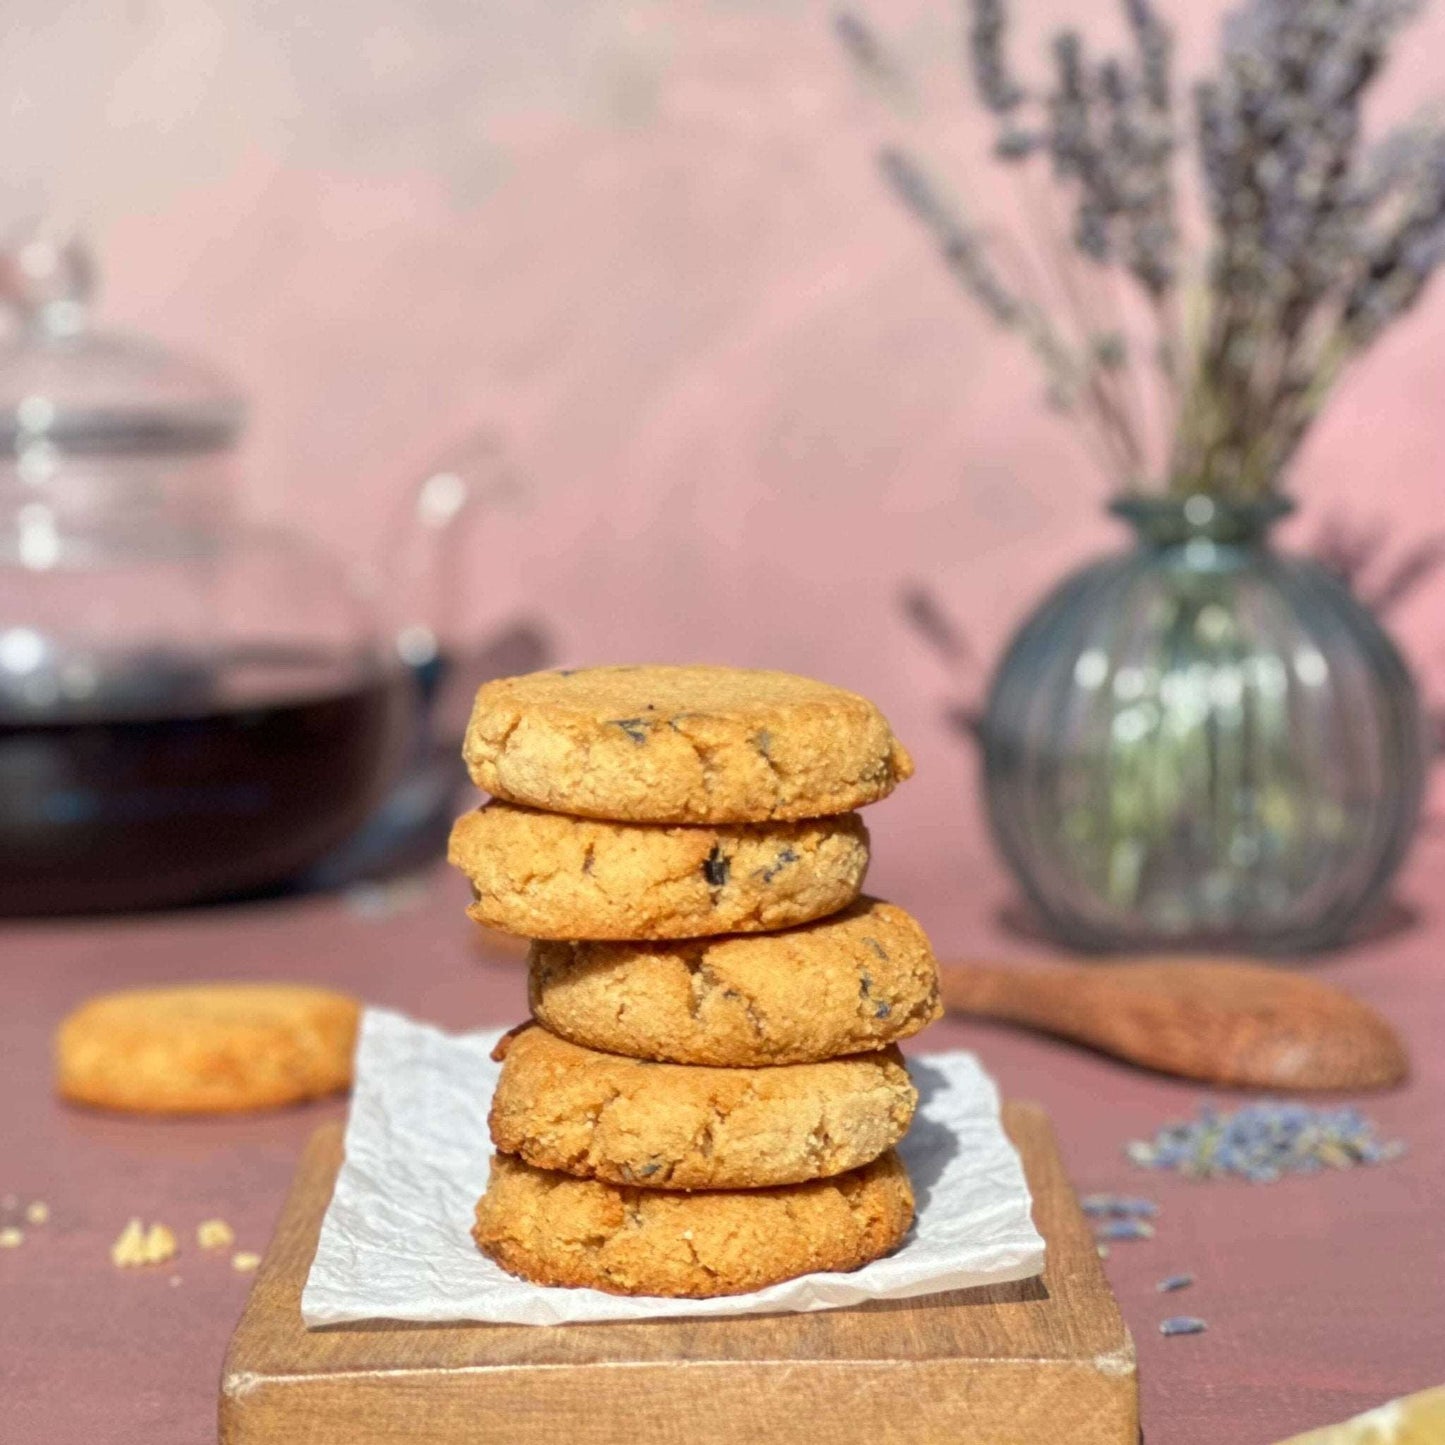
pixel 206 1048
pixel 544 875
pixel 861 979
pixel 687 1126
pixel 681 745
pixel 554 1229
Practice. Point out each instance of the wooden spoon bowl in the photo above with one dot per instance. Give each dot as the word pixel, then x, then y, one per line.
pixel 1224 1021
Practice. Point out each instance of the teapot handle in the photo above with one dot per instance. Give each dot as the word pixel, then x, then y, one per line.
pixel 418 574
pixel 420 566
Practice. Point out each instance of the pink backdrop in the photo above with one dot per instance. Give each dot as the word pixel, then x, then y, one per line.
pixel 647 243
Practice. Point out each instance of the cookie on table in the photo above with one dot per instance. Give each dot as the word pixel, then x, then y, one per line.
pixel 544 875
pixel 859 980
pixel 206 1048
pixel 681 745
pixel 557 1230
pixel 689 1126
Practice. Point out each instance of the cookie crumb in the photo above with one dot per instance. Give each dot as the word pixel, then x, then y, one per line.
pixel 215 1234
pixel 130 1249
pixel 174 1280
pixel 245 1261
pixel 138 1245
pixel 160 1245
pixel 37 1213
pixel 11 1238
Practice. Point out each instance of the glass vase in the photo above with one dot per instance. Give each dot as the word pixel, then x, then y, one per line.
pixel 1202 742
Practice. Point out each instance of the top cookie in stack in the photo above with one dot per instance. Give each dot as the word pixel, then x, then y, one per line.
pixel 681 745
pixel 669 802
pixel 702 1110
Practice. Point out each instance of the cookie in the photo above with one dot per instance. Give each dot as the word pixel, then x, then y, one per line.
pixel 544 875
pixel 688 1126
pixel 554 1229
pixel 208 1048
pixel 681 745
pixel 859 980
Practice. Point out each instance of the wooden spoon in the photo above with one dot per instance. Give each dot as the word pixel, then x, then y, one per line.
pixel 1223 1021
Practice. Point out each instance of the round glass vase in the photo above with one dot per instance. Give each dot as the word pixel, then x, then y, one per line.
pixel 1201 742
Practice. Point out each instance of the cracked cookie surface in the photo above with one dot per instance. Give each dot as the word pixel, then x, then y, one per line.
pixel 691 744
pixel 207 1048
pixel 855 981
pixel 557 1230
pixel 688 1126
pixel 543 875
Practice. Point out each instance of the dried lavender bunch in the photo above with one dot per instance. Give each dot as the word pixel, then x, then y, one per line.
pixel 1319 241
pixel 1279 138
pixel 1109 129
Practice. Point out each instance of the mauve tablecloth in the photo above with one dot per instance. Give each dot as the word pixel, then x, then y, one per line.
pixel 1323 1294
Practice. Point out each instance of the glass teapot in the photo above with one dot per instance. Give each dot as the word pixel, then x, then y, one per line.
pixel 191 706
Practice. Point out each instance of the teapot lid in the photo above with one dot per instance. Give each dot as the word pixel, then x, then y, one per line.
pixel 66 386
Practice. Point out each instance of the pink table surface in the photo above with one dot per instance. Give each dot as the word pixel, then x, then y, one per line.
pixel 1323 1294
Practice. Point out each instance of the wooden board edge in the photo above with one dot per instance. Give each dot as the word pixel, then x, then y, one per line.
pixel 665 1403
pixel 288 1256
pixel 1101 1394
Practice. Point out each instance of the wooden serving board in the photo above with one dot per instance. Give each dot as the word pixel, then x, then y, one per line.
pixel 1034 1363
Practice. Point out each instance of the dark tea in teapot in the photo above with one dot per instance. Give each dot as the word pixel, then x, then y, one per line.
pixel 175 783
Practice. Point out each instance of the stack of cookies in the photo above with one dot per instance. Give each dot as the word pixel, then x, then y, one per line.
pixel 708 1096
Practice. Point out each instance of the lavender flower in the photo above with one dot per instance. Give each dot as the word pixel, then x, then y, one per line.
pixel 869 54
pixel 998 90
pixel 1139 144
pixel 1399 263
pixel 1070 144
pixel 962 248
pixel 1017 145
pixel 1156 48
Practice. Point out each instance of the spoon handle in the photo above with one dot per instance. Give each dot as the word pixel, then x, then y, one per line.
pixel 1141 1025
pixel 1045 997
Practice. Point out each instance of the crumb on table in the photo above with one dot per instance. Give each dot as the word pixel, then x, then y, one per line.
pixel 215 1234
pixel 138 1245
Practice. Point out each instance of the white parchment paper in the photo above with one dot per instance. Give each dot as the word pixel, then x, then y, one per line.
pixel 396 1242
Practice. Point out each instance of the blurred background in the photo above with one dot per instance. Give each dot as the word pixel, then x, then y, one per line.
pixel 589 332
pixel 645 249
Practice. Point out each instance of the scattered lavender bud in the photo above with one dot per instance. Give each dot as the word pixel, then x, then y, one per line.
pixel 1135 1208
pixel 1182 1325
pixel 1174 1282
pixel 1124 1229
pixel 1117 1206
pixel 1262 1142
